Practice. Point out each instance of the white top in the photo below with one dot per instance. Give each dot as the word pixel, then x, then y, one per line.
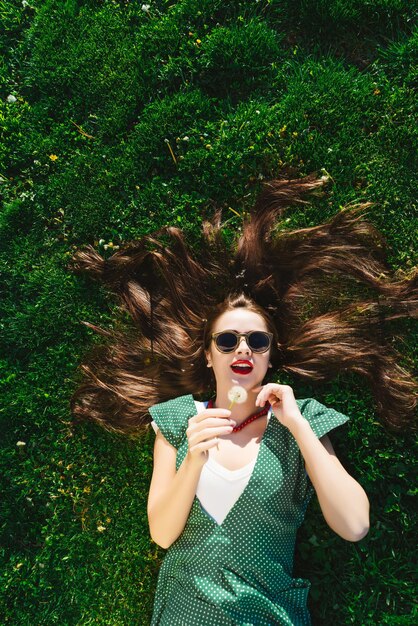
pixel 215 479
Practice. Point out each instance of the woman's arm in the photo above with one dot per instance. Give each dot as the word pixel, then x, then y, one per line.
pixel 171 493
pixel 343 501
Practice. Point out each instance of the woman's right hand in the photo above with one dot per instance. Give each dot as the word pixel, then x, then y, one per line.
pixel 203 432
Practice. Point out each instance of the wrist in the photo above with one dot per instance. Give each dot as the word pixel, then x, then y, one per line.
pixel 193 462
pixel 299 426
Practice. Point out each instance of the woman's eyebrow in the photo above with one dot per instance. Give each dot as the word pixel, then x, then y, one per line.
pixel 241 333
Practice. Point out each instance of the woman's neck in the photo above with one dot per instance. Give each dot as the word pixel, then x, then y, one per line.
pixel 239 412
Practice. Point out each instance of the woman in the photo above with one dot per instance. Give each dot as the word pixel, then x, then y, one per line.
pixel 232 546
pixel 227 502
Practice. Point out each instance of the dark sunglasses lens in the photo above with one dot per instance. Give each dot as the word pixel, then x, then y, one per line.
pixel 258 341
pixel 226 342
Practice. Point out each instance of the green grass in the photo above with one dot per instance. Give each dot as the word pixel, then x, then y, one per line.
pixel 240 92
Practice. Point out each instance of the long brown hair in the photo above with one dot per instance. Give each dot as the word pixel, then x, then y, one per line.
pixel 326 291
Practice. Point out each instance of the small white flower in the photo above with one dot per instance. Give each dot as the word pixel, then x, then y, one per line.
pixel 314 540
pixel 237 394
pixel 145 7
pixel 20 444
pixel 11 98
pixel 185 138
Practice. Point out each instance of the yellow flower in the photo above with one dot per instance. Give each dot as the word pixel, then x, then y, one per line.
pixel 53 157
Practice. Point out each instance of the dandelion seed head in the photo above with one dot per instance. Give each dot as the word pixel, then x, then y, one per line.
pixel 237 394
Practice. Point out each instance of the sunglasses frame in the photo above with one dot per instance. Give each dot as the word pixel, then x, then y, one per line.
pixel 239 336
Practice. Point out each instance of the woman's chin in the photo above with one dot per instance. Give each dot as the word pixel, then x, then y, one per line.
pixel 248 382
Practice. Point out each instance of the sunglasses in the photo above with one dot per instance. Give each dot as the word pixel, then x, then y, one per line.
pixel 228 340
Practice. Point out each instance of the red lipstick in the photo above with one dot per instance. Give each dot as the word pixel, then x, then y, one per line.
pixel 242 367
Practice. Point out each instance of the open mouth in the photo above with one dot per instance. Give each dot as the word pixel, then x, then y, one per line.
pixel 242 367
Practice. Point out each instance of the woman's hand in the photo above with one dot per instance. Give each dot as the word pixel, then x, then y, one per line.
pixel 203 432
pixel 283 403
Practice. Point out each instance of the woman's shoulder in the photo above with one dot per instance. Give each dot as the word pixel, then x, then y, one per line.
pixel 321 417
pixel 180 402
pixel 171 417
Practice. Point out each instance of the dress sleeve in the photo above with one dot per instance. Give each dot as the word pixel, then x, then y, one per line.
pixel 172 418
pixel 321 418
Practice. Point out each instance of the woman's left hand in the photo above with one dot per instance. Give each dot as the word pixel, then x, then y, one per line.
pixel 282 401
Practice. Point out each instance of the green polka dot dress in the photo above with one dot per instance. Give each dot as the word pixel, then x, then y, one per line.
pixel 239 573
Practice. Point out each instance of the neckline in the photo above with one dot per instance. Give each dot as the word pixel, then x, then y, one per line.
pixel 222 470
pixel 250 482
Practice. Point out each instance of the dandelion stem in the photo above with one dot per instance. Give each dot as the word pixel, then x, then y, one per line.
pixel 171 151
pixel 81 131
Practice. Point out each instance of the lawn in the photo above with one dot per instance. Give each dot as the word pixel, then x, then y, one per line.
pixel 118 118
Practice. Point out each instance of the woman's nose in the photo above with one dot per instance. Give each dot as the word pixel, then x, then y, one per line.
pixel 243 346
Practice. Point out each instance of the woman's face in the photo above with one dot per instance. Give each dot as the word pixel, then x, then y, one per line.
pixel 226 365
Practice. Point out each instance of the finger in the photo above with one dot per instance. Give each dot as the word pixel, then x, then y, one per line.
pixel 209 433
pixel 264 388
pixel 270 393
pixel 262 397
pixel 258 390
pixel 211 413
pixel 273 400
pixel 212 430
pixel 210 422
pixel 204 445
pixel 259 400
